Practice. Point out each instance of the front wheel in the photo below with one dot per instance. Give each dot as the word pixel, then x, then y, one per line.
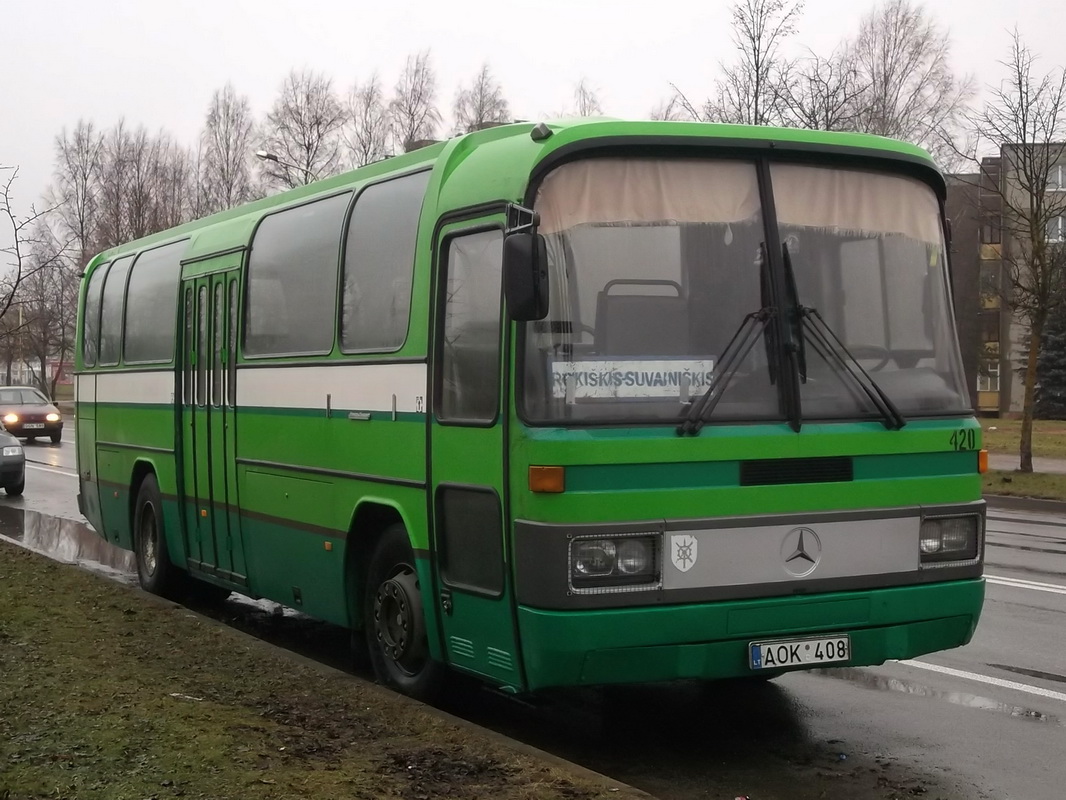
pixel 154 570
pixel 56 437
pixel 15 488
pixel 395 621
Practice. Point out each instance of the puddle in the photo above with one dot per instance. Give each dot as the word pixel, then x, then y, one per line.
pixel 871 680
pixel 66 540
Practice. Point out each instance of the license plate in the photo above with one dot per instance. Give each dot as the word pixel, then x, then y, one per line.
pixel 30 426
pixel 780 653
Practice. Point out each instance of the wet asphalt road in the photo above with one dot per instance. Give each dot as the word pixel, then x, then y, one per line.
pixel 984 721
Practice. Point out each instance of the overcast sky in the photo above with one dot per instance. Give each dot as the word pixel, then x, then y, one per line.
pixel 157 63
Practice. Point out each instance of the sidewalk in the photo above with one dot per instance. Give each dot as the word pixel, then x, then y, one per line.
pixel 1008 463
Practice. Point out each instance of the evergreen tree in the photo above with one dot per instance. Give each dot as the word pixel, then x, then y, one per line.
pixel 1051 369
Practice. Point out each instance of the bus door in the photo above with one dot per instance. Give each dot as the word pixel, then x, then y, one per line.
pixel 210 513
pixel 474 591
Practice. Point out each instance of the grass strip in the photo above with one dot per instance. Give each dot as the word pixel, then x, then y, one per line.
pixel 1039 485
pixel 108 693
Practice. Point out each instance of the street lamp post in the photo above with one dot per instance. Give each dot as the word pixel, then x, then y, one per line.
pixel 266 156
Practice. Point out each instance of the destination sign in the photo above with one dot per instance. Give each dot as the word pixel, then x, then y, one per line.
pixel 637 378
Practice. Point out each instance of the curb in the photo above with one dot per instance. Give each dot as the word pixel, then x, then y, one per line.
pixel 1011 503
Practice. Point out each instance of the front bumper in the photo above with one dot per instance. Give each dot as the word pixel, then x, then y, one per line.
pixel 19 429
pixel 710 640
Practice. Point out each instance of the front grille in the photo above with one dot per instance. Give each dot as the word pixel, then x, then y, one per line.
pixel 776 471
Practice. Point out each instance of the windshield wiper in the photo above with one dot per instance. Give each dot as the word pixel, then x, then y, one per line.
pixel 751 328
pixel 836 353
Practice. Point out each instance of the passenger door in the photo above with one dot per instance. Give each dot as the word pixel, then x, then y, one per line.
pixel 474 593
pixel 208 427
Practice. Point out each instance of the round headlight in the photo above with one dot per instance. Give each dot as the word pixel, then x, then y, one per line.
pixel 52 418
pixel 11 418
pixel 634 556
pixel 594 558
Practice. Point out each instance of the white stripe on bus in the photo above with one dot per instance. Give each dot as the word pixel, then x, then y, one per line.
pixel 135 387
pixel 363 387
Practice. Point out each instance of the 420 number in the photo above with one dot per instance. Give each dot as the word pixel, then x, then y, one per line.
pixel 964 439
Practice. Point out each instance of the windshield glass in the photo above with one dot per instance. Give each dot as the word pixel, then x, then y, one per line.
pixel 867 251
pixel 22 397
pixel 654 265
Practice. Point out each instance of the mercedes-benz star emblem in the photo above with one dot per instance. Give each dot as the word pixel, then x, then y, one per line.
pixel 801 550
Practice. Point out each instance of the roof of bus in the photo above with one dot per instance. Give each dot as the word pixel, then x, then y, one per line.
pixel 496 163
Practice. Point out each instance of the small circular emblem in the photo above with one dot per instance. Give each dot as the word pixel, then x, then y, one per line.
pixel 801 552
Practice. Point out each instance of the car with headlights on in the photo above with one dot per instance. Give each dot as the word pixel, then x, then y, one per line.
pixel 12 464
pixel 27 413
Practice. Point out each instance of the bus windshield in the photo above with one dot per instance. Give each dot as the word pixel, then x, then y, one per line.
pixel 655 263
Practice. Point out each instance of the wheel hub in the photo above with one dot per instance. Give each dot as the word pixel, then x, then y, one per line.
pixel 397 618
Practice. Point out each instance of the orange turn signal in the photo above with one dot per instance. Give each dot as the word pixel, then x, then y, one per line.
pixel 982 461
pixel 547 479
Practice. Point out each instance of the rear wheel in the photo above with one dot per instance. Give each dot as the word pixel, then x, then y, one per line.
pixel 154 570
pixel 16 487
pixel 395 620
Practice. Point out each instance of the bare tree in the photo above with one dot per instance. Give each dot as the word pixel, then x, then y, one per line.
pixel 76 187
pixel 48 306
pixel 586 100
pixel 303 131
pixel 366 131
pixel 30 252
pixel 225 148
pixel 671 109
pixel 749 89
pixel 909 89
pixel 112 222
pixel 481 105
pixel 145 185
pixel 821 93
pixel 1025 120
pixel 413 109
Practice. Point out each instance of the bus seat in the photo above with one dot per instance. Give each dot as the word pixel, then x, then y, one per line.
pixel 641 325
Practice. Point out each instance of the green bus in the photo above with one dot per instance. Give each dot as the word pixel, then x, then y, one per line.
pixel 581 403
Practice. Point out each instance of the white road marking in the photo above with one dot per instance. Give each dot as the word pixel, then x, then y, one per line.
pixel 1003 684
pixel 1018 583
pixel 31 465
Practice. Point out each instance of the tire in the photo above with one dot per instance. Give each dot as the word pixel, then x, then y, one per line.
pixel 16 488
pixel 31 439
pixel 57 437
pixel 395 620
pixel 154 570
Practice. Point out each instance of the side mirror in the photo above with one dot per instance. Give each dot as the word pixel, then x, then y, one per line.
pixel 525 275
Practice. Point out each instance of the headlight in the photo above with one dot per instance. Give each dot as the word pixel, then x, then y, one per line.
pixel 15 450
pixel 52 418
pixel 11 419
pixel 615 563
pixel 942 540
